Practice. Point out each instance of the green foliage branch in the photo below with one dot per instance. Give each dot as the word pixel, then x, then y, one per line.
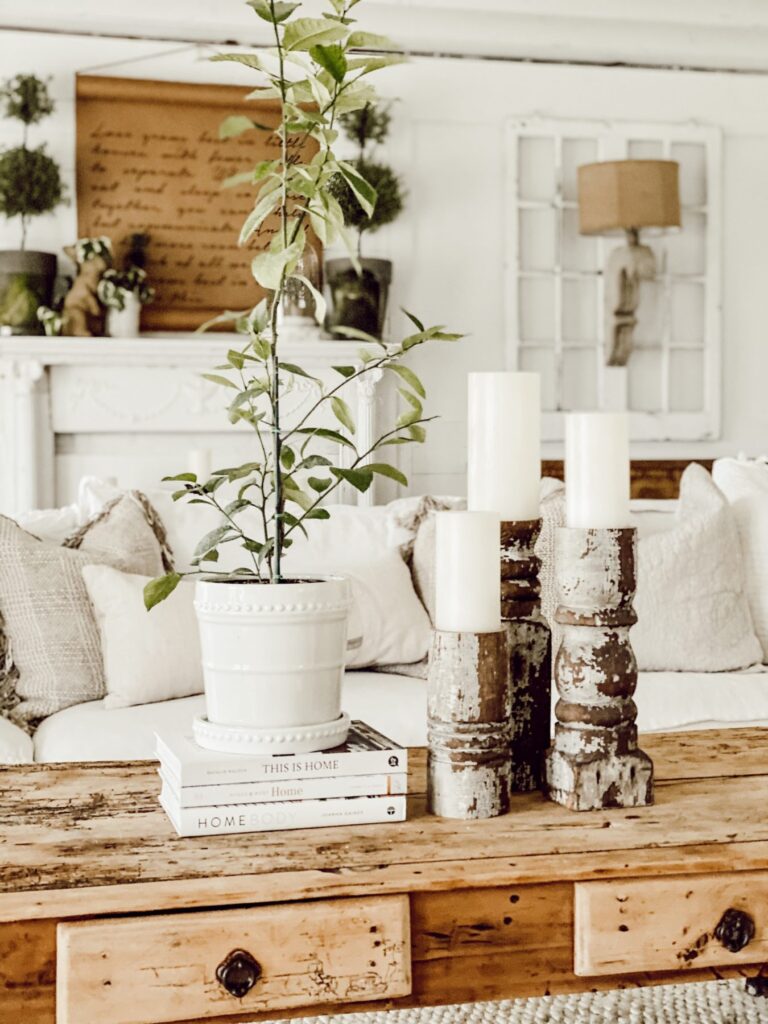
pixel 317 72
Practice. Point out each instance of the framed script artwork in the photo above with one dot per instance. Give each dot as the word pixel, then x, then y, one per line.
pixel 555 288
pixel 149 159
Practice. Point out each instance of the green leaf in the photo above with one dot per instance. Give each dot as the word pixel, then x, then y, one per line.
pixel 259 172
pixel 236 124
pixel 407 374
pixel 298 371
pixel 319 484
pixel 412 400
pixel 210 540
pixel 407 419
pixel 236 358
pixel 214 378
pixel 241 471
pixel 327 435
pixel 353 332
pixel 417 433
pixel 189 478
pixel 370 41
pixel 366 65
pixel 159 588
pixel 281 10
pixel 304 33
pixel 384 469
pixel 265 205
pixel 287 457
pixel 312 461
pixel 318 513
pixel 343 413
pixel 345 371
pixel 359 478
pixel 414 320
pixel 331 58
pixel 211 556
pixel 364 193
pixel 236 506
pixel 320 304
pixel 298 497
pixel 268 267
pixel 250 60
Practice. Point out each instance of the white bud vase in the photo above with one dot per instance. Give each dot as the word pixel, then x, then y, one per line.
pixel 273 665
pixel 124 323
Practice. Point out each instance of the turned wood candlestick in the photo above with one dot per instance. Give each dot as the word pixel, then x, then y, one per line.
pixel 530 653
pixel 594 761
pixel 468 725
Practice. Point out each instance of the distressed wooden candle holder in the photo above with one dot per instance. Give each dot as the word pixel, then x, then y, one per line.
pixel 594 761
pixel 468 725
pixel 530 653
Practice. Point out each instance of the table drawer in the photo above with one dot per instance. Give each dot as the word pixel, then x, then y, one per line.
pixel 667 924
pixel 169 967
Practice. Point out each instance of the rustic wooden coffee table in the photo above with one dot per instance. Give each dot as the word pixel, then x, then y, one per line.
pixel 106 917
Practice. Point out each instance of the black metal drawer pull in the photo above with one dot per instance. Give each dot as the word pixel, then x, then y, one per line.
pixel 238 973
pixel 735 929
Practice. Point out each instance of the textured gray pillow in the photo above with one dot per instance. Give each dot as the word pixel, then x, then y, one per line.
pixel 50 654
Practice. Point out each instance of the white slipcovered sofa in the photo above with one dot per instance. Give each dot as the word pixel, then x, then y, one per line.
pixel 393 701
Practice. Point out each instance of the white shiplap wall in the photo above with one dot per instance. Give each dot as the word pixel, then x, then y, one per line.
pixel 449 144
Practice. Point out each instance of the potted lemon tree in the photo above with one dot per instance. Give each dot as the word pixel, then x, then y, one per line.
pixel 274 646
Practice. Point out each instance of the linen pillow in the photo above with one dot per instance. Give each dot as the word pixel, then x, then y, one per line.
pixel 692 610
pixel 54 524
pixel 745 484
pixel 387 622
pixel 146 657
pixel 47 619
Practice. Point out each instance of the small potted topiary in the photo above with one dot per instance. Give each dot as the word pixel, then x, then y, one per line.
pixel 359 293
pixel 124 292
pixel 30 185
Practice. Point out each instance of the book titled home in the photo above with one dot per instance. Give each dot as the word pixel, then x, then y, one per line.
pixel 291 789
pixel 365 752
pixel 291 814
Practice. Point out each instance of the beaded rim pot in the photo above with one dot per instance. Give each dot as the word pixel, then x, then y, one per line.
pixel 273 664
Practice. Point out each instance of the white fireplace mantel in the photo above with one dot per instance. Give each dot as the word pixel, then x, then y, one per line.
pixel 134 409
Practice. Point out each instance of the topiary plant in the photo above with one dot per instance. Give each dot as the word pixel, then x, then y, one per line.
pixel 365 127
pixel 30 181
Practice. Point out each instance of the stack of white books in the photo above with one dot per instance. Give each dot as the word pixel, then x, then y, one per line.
pixel 362 782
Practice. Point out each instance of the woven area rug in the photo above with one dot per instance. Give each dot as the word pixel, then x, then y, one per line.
pixel 718 1002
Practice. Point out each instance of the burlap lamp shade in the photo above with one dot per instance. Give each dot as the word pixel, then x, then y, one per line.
pixel 620 195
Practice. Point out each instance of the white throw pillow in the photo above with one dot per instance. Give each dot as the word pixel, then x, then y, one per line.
pixel 693 614
pixel 386 615
pixel 745 484
pixel 54 524
pixel 148 656
pixel 16 746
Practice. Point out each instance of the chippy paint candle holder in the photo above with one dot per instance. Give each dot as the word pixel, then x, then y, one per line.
pixel 594 761
pixel 530 653
pixel 468 765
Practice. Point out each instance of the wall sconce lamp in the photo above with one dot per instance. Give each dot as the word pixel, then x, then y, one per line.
pixel 627 195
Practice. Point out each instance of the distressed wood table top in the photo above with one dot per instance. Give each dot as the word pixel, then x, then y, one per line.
pixel 93 836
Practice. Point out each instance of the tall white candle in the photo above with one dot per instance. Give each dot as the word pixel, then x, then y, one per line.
pixel 597 470
pixel 467 572
pixel 199 462
pixel 504 444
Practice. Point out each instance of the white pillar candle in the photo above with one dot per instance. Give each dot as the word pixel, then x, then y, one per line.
pixel 597 470
pixel 467 572
pixel 504 444
pixel 199 462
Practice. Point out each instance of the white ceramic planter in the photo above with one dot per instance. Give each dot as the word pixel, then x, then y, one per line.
pixel 124 323
pixel 273 664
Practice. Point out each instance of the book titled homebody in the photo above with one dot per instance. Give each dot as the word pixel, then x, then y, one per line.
pixel 277 789
pixel 365 752
pixel 275 817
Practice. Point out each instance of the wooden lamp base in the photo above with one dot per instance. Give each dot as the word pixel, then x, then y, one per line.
pixel 594 761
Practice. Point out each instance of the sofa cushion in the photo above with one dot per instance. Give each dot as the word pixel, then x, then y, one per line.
pixel 46 614
pixel 16 746
pixel 395 705
pixel 745 484
pixel 692 611
pixel 147 656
